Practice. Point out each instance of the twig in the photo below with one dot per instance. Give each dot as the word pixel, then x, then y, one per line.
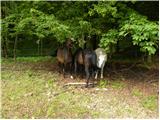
pixel 77 83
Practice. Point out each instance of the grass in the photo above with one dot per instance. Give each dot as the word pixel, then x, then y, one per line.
pixel 102 83
pixel 28 59
pixel 28 94
pixel 150 102
pixel 32 93
pixel 117 84
pixel 137 93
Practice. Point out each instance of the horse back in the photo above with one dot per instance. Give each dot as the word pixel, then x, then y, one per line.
pixel 90 57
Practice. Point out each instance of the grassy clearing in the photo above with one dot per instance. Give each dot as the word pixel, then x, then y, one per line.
pixel 31 93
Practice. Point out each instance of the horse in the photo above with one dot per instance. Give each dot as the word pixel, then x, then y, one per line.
pixel 78 60
pixel 101 60
pixel 88 59
pixel 64 56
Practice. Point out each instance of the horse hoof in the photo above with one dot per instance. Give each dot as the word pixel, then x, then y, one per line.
pixel 71 77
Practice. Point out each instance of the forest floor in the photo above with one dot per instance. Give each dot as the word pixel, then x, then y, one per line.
pixel 34 88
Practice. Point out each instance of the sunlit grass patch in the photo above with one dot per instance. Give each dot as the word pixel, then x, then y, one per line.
pixel 25 92
pixel 69 105
pixel 137 92
pixel 102 83
pixel 150 102
pixel 117 84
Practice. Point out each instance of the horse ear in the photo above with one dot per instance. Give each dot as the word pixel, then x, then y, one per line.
pixel 72 39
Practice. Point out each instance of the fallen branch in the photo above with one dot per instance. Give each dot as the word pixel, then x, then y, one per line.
pixel 77 83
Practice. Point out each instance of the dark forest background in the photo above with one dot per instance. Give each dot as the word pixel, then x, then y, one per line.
pixel 37 28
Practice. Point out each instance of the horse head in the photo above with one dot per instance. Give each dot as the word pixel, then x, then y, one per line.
pixel 69 42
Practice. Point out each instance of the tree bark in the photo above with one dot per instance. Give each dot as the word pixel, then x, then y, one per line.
pixel 41 47
pixel 149 58
pixel 15 47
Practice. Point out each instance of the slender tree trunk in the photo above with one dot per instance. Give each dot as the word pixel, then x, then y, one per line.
pixel 149 58
pixel 15 47
pixel 5 39
pixel 38 48
pixel 117 47
pixel 94 41
pixel 41 47
pixel 5 50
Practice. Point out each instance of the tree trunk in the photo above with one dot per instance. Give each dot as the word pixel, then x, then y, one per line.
pixel 149 58
pixel 4 49
pixel 117 47
pixel 38 48
pixel 94 41
pixel 15 47
pixel 5 39
pixel 41 47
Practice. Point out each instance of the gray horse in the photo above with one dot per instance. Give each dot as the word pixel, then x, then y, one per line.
pixel 101 60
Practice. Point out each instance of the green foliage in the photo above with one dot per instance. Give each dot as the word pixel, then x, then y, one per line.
pixel 110 21
pixel 104 8
pixel 143 32
pixel 108 39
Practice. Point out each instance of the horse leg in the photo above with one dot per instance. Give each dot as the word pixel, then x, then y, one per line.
pixel 96 74
pixel 60 67
pixel 87 74
pixel 102 70
pixel 70 69
pixel 75 67
pixel 95 70
pixel 64 69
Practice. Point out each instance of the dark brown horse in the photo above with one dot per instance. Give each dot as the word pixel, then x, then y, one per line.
pixel 88 59
pixel 64 56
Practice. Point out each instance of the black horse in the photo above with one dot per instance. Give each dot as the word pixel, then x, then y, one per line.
pixel 88 59
pixel 64 56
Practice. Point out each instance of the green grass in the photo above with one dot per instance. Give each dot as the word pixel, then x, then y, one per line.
pixel 103 83
pixel 66 105
pixel 117 84
pixel 28 94
pixel 32 93
pixel 28 59
pixel 25 89
pixel 137 93
pixel 150 102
